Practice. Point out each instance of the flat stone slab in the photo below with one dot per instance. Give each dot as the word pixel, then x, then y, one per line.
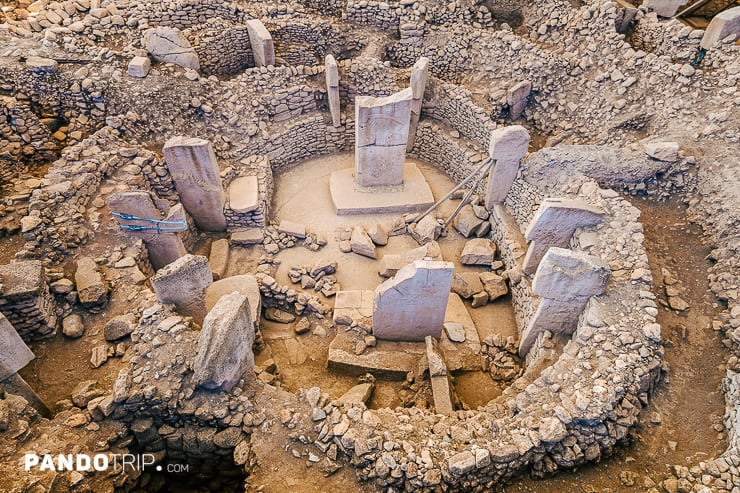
pixel 20 280
pixel 460 355
pixel 414 195
pixel 245 284
pixel 355 304
pixel 244 194
pixel 388 359
pixel 253 236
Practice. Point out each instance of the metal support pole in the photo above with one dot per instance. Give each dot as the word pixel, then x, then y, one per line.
pixel 467 196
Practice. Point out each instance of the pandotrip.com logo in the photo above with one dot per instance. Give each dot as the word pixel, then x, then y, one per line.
pixel 98 462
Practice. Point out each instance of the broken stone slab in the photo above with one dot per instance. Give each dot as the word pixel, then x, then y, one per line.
pixel 169 45
pixel 390 264
pixel 389 360
pixel 361 244
pixel 353 306
pixel 381 135
pixel 183 283
pixel 357 395
pixel 662 151
pixel 494 285
pixel 466 221
pixel 244 194
pixel 466 284
pixel 247 237
pixel 411 305
pixel 724 25
pixel 219 258
pixel 91 287
pixel 455 331
pixel 516 98
pixel 566 275
pixel 553 225
pixel 14 354
pixel 417 83
pixel 279 316
pixel 462 463
pixel 478 251
pixel 263 48
pixel 292 229
pixel 99 355
pixel 195 172
pixel 426 230
pixel 331 70
pixel 225 344
pixel 464 355
pixel 508 146
pixel 664 8
pixel 440 380
pixel 139 66
pixel 40 65
pixel 119 327
pixel 378 234
pixel 245 284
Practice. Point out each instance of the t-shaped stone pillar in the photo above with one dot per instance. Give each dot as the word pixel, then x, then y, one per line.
pixel 412 305
pixel 508 145
pixel 195 171
pixel 331 70
pixel 381 134
pixel 164 246
pixel 418 84
pixel 565 280
pixel 553 226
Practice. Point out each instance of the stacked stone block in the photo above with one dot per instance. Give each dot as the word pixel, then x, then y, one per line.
pixel 25 300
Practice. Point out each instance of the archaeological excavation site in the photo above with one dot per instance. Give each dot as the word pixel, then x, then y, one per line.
pixel 358 245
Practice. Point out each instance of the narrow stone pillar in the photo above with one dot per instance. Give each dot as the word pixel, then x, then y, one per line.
pixel 438 374
pixel 196 174
pixel 263 49
pixel 14 355
pixel 419 74
pixel 412 305
pixel 517 97
pixel 565 280
pixel 381 134
pixel 553 226
pixel 724 24
pixel 508 145
pixel 183 283
pixel 164 247
pixel 332 88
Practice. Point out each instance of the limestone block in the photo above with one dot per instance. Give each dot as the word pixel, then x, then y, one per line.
pixel 412 305
pixel 567 275
pixel 119 327
pixel 194 169
pixel 245 284
pixel 139 66
pixel 169 45
pixel 723 25
pixel 263 49
pixel 418 82
pixel 225 344
pixel 40 65
pixel 183 283
pixel 494 285
pixel 244 194
pixel 478 251
pixel 378 234
pixel 508 145
pixel 91 288
pixel 14 354
pixel 664 8
pixel 361 244
pixel 663 151
pixel 381 134
pixel 439 377
pixel 426 230
pixel 332 89
pixel 466 284
pixel 219 258
pixel 516 98
pixel 292 229
pixel 357 395
pixel 466 222
pixel 554 224
pixel 253 236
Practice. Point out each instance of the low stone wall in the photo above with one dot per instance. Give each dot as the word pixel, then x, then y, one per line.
pixel 183 15
pixel 383 15
pixel 26 302
pixel 258 166
pixel 223 48
pixel 23 138
pixel 290 102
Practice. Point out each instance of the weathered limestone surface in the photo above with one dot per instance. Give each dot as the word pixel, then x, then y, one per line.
pixel 183 283
pixel 412 305
pixel 662 151
pixel 723 25
pixel 508 145
pixel 418 83
pixel 219 258
pixel 332 89
pixel 40 65
pixel 565 280
pixel 139 66
pixel 163 247
pixel 245 284
pixel 91 288
pixel 440 380
pixel 381 134
pixel 169 45
pixel 478 251
pixel 390 264
pixel 244 194
pixel 261 41
pixel 225 344
pixel 554 224
pixel 14 354
pixel 664 8
pixel 196 174
pixel 516 98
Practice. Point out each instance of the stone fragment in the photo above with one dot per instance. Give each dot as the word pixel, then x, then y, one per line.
pixel 14 354
pixel 292 229
pixel 40 65
pixel 279 316
pixel 73 326
pixel 361 244
pixel 426 230
pixel 664 8
pixel 494 285
pixel 662 151
pixel 91 288
pixel 139 66
pixel 263 49
pixel 225 344
pixel 438 374
pixel 169 45
pixel 381 134
pixel 724 25
pixel 412 305
pixel 461 463
pixel 245 284
pixel 195 172
pixel 357 395
pixel 552 430
pixel 466 284
pixel 466 221
pixel 99 355
pixel 378 234
pixel 119 327
pixel 455 331
pixel 248 237
pixel 479 299
pixel 183 283
pixel 219 258
pixel 508 145
pixel 478 251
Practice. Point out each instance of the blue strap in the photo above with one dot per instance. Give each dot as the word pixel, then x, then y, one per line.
pixel 129 217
